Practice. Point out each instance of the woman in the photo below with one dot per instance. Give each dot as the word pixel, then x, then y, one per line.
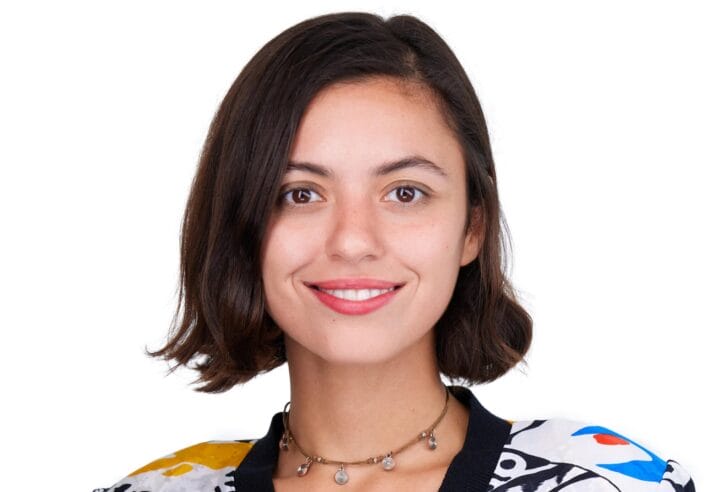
pixel 344 219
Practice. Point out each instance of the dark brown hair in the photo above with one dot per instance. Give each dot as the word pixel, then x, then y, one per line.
pixel 224 328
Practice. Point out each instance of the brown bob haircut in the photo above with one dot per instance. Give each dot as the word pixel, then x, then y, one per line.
pixel 224 328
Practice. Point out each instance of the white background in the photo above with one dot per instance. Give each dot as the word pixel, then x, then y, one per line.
pixel 598 114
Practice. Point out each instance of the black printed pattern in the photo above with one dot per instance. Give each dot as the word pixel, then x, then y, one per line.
pixel 521 471
pixel 527 462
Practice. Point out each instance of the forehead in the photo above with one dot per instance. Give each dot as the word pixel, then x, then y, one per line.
pixel 373 121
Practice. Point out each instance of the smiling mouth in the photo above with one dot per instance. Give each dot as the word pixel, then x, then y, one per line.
pixel 355 294
pixel 354 302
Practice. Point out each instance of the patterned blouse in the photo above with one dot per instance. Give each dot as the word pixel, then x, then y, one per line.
pixel 498 455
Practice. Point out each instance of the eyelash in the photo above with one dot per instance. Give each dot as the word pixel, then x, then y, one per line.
pixel 282 198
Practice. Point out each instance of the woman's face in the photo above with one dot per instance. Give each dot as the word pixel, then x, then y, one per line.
pixel 374 200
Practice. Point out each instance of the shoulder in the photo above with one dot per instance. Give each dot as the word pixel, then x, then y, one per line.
pixel 548 453
pixel 209 465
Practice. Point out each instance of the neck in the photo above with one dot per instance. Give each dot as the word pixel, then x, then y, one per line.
pixel 353 412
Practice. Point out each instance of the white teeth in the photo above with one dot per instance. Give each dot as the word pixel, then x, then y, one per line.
pixel 357 295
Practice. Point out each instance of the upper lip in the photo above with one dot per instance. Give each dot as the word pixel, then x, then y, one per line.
pixel 353 283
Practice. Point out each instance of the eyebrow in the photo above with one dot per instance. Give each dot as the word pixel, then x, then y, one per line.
pixel 381 170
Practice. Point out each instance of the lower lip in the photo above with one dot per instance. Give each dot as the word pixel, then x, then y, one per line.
pixel 344 306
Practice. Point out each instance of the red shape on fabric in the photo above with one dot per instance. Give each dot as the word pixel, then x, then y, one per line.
pixel 609 439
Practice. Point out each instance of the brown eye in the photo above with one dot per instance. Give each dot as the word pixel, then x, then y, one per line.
pixel 405 194
pixel 299 196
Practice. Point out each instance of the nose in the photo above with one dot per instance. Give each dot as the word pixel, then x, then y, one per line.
pixel 354 233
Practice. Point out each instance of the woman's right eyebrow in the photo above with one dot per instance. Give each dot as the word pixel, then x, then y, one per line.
pixel 309 168
pixel 381 170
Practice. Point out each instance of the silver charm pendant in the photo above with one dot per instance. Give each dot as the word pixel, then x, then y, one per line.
pixel 432 441
pixel 388 462
pixel 303 469
pixel 341 476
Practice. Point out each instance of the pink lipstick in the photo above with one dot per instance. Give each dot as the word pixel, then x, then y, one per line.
pixel 361 293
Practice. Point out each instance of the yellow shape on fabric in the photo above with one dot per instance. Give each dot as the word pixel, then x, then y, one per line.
pixel 212 454
pixel 178 470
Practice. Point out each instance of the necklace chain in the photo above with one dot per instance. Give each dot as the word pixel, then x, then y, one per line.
pixel 341 476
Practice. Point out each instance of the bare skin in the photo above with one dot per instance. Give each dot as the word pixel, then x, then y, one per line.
pixel 417 468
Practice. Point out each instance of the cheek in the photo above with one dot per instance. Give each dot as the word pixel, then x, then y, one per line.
pixel 288 245
pixel 431 244
pixel 285 250
pixel 432 251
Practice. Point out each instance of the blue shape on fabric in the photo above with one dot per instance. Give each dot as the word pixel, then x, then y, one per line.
pixel 651 471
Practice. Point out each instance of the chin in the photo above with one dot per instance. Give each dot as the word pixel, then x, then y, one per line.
pixel 358 357
pixel 362 350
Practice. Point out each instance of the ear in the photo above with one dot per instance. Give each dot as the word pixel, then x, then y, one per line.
pixel 474 237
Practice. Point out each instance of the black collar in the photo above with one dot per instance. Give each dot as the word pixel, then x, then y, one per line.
pixel 471 469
